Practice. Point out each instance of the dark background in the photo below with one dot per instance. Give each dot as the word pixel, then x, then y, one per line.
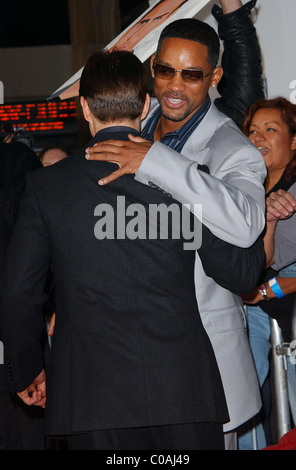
pixel 34 23
pixel 25 23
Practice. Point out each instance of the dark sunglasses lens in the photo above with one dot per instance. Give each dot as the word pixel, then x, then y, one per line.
pixel 167 73
pixel 193 76
pixel 163 71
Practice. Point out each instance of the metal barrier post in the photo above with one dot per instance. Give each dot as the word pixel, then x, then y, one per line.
pixel 294 321
pixel 279 352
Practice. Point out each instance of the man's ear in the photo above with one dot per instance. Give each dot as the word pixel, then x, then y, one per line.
pixel 85 109
pixel 146 107
pixel 216 76
pixel 152 60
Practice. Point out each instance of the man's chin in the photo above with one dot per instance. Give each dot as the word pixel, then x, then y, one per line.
pixel 173 116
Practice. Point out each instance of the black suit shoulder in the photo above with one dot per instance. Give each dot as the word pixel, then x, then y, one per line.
pixel 72 169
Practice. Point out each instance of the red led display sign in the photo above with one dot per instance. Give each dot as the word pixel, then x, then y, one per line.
pixel 40 116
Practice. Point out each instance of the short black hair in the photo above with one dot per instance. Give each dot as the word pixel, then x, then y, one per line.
pixel 193 29
pixel 114 85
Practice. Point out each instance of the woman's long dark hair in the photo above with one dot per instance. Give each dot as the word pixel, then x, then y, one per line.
pixel 288 113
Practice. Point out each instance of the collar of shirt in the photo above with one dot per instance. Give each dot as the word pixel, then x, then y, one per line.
pixel 112 132
pixel 176 139
pixel 117 129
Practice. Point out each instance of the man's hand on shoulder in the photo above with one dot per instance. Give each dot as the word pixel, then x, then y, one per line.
pixel 128 155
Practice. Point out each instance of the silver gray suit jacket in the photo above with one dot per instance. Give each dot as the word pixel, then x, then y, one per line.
pixel 233 203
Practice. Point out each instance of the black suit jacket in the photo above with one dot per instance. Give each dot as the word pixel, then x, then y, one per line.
pixel 129 348
pixel 16 160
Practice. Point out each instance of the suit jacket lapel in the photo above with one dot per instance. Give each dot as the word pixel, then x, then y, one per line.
pixel 197 142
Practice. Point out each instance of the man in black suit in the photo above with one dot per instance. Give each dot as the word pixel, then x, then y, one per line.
pixel 21 427
pixel 131 365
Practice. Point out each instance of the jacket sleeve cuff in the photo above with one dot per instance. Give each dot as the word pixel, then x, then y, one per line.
pixel 234 20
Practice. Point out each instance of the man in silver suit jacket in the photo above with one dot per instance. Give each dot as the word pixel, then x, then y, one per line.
pixel 184 129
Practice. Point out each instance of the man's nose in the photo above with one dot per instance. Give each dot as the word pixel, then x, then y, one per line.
pixel 177 82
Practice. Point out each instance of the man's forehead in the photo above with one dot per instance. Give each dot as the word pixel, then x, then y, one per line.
pixel 190 47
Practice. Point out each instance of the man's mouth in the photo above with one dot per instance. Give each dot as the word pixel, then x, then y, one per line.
pixel 174 101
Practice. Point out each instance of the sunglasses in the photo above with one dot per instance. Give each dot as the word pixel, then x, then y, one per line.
pixel 188 75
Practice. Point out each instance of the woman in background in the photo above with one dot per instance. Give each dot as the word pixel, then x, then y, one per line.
pixel 271 126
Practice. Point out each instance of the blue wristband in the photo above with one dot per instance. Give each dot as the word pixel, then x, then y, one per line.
pixel 274 285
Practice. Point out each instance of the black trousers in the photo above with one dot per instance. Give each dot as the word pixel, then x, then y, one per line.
pixel 196 436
